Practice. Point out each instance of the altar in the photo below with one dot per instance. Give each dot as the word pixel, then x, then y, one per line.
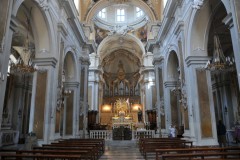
pixel 122 114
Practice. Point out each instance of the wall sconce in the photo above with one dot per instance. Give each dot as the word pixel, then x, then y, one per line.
pixel 106 108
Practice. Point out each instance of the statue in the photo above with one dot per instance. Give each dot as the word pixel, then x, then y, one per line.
pixel 139 115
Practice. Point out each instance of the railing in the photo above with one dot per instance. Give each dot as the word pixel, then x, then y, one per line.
pixel 107 134
pixel 101 134
pixel 143 134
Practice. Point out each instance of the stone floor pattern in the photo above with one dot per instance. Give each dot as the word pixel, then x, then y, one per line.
pixel 121 150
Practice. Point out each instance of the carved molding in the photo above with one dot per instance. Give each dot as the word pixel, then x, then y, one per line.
pixel 197 4
pixel 43 4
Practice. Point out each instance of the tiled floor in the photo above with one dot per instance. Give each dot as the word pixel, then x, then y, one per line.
pixel 121 150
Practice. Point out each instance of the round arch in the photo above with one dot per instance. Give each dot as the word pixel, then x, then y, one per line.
pixel 104 3
pixel 199 27
pixel 172 65
pixel 139 45
pixel 42 25
pixel 70 65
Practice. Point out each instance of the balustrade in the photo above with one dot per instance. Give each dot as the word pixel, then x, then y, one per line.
pixel 107 134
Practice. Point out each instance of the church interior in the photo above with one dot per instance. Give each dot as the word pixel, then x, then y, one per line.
pixel 119 70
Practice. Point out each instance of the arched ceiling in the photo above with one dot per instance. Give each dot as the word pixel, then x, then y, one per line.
pixel 117 42
pixel 130 62
pixel 94 8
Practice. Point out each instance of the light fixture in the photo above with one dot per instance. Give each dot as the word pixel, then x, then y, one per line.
pixel 62 92
pixel 26 52
pixel 219 62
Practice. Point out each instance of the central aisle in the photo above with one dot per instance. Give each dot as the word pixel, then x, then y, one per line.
pixel 121 150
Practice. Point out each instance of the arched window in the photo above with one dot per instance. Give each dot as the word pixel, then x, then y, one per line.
pixel 102 13
pixel 120 15
pixel 139 12
pixel 76 2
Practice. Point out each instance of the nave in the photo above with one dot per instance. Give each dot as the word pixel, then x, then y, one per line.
pixel 122 150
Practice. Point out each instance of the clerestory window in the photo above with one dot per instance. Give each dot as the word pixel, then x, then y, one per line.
pixel 102 13
pixel 139 12
pixel 120 15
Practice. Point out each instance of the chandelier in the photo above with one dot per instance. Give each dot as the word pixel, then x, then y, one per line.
pixel 26 52
pixel 219 62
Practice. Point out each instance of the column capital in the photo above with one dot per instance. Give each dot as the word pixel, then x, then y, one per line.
pixel 197 60
pixel 157 60
pixel 49 61
pixel 71 84
pixel 84 61
pixel 197 4
pixel 169 84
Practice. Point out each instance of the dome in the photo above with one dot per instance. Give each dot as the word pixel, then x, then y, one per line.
pixel 118 15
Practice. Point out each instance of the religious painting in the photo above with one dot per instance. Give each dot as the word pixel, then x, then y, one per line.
pixel 100 35
pixel 142 34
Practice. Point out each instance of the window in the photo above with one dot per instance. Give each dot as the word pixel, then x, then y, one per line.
pixel 102 13
pixel 120 15
pixel 76 2
pixel 139 12
pixel 164 3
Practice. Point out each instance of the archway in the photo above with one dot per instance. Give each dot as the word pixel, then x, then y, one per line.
pixel 30 38
pixel 226 96
pixel 174 78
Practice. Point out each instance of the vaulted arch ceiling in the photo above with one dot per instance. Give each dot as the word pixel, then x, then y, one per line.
pixel 105 3
pixel 128 42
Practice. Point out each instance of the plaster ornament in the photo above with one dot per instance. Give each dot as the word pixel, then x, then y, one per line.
pixel 120 30
pixel 197 4
pixel 43 4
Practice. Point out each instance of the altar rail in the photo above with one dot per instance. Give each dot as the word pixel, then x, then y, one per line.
pixel 101 134
pixel 107 134
pixel 143 134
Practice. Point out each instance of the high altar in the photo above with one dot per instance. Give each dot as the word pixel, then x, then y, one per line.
pixel 122 114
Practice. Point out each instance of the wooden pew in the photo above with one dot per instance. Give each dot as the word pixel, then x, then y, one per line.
pixel 99 146
pixel 83 153
pixel 203 155
pixel 148 140
pixel 101 142
pixel 45 156
pixel 148 145
pixel 159 152
pixel 95 148
pixel 90 150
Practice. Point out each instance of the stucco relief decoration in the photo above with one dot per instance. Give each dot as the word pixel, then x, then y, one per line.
pixel 100 35
pixel 197 4
pixel 43 4
pixel 120 30
pixel 142 34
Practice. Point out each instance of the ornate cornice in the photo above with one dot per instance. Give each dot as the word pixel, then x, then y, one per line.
pixel 50 61
pixel 84 61
pixel 44 4
pixel 197 4
pixel 197 60
pixel 157 60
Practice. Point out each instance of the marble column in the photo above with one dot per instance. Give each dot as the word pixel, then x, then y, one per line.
pixel 85 66
pixel 5 50
pixel 158 64
pixel 232 20
pixel 74 88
